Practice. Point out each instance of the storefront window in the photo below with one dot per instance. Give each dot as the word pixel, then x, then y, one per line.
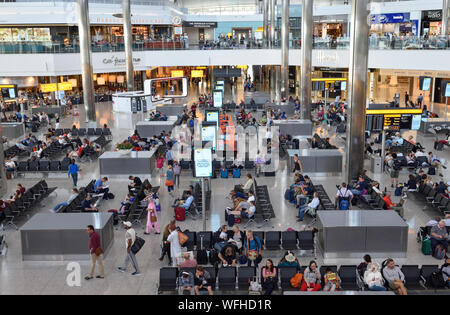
pixel 5 35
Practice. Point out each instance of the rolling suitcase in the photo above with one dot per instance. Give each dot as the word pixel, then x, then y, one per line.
pixel 236 173
pixel 431 170
pixel 180 214
pixel 202 254
pixel 426 246
pixel 223 173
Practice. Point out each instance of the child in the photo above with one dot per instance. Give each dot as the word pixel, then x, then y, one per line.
pixel 331 280
pixel 160 165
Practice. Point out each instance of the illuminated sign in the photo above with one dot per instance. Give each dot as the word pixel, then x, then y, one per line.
pixel 393 111
pixel 203 162
pixel 197 73
pixel 177 73
pixel 64 86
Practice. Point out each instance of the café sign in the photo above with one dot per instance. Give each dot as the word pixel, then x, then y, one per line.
pixel 117 62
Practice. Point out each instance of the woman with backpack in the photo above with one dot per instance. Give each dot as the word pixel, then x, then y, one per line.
pixel 253 249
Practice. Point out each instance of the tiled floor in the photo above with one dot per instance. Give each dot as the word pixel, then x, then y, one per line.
pixel 19 277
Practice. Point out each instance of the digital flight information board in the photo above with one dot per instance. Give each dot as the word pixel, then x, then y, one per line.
pixel 395 119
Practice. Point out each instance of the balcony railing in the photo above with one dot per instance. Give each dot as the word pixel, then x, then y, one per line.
pixel 375 43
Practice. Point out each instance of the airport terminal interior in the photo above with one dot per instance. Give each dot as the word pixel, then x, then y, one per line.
pixel 228 147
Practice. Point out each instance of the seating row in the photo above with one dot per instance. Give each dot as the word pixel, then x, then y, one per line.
pixel 14 151
pixel 81 132
pixel 238 278
pixel 432 198
pixel 24 204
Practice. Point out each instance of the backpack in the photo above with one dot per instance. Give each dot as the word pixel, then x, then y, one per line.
pixel 296 280
pixel 399 190
pixel 223 173
pixel 191 123
pixel 397 166
pixel 436 280
pixel 438 252
pixel 236 173
pixel 344 204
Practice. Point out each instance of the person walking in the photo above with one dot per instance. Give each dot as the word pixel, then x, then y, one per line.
pixel 73 172
pixel 176 172
pixel 152 217
pixel 169 179
pixel 96 254
pixel 130 237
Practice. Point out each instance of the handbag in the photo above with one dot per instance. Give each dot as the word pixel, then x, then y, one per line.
pixel 98 251
pixel 182 238
pixel 169 182
pixel 153 217
pixel 137 245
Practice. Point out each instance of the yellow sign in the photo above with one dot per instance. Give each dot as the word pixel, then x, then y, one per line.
pixel 197 73
pixel 177 73
pixel 242 67
pixel 2 86
pixel 51 87
pixel 393 111
pixel 328 79
pixel 200 68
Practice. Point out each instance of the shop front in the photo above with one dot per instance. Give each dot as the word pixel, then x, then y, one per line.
pixel 398 24
pixel 431 22
pixel 198 32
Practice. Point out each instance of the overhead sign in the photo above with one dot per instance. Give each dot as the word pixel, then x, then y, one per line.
pixel 394 111
pixel 8 91
pixel 177 73
pixel 199 24
pixel 390 18
pixel 197 74
pixel 51 87
pixel 203 162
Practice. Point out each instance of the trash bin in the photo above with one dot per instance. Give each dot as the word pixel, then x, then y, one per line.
pixel 376 163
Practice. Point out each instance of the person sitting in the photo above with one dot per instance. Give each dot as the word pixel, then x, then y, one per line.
pixel 228 256
pixel 245 213
pixel 186 204
pixel 269 277
pixel 188 262
pixel 343 193
pixel 310 208
pixel 439 236
pixel 395 277
pixel 246 204
pixel 86 205
pixel 388 201
pixel 446 272
pixel 311 278
pixel 363 266
pixel 360 187
pixel 289 260
pixel 331 280
pixel 186 283
pixel 244 188
pixel 222 239
pixel 126 204
pixel 74 194
pixel 300 194
pixel 134 184
pixel 202 281
pixel 10 167
pixel 100 187
pixel 411 185
pixel 373 278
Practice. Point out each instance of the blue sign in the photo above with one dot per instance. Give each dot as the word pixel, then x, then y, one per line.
pixel 389 18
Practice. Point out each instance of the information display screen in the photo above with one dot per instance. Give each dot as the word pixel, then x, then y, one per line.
pixel 344 86
pixel 221 82
pixel 203 162
pixel 416 120
pixel 426 84
pixel 447 90
pixel 218 98
pixel 8 91
pixel 209 135
pixel 212 116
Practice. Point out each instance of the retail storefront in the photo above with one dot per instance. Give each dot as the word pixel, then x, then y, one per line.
pixel 393 23
pixel 198 32
pixel 431 22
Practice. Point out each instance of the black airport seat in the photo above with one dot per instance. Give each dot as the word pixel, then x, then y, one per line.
pixel 348 277
pixel 289 240
pixel 44 166
pixel 98 131
pixel 227 278
pixel 272 241
pixel 33 166
pixel 91 132
pixel 286 273
pixel 426 271
pixel 207 240
pixel 82 132
pixel 213 276
pixel 260 236
pixel 106 132
pixel 168 279
pixel 412 277
pixel 305 240
pixel 190 243
pixel 54 166
pixel 22 167
pixel 245 275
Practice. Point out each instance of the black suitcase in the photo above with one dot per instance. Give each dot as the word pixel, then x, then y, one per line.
pixel 431 170
pixel 341 128
pixel 202 255
pixel 34 128
pixel 269 174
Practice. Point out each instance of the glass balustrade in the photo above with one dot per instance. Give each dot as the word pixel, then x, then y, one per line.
pixel 375 43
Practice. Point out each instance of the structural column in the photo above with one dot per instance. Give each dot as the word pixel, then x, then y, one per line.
pixel 307 44
pixel 85 56
pixel 128 39
pixel 272 17
pixel 285 49
pixel 265 22
pixel 4 181
pixel 356 118
pixel 445 16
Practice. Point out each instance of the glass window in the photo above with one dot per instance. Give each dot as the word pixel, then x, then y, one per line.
pixel 5 35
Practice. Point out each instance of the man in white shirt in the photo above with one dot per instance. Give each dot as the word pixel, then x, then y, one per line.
pixel 309 208
pixel 130 237
pixel 344 193
pixel 246 204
